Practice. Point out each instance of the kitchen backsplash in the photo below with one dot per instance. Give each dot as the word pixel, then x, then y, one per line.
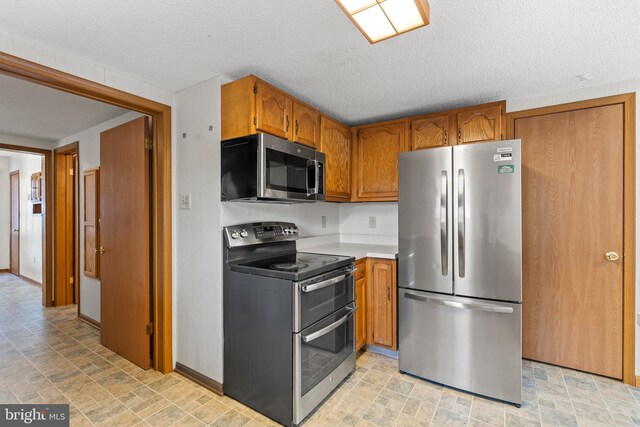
pixel 308 217
pixel 376 219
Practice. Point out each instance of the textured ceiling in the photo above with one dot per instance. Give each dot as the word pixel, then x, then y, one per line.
pixel 31 110
pixel 473 51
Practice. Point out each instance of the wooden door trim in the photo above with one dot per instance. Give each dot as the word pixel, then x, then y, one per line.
pixel 11 174
pixel 160 194
pixel 628 102
pixel 59 153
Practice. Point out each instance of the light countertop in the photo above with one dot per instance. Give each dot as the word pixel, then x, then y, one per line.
pixel 357 250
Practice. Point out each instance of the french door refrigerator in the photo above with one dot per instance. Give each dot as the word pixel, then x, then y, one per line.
pixel 460 267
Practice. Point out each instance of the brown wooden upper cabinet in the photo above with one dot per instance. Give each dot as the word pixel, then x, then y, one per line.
pixel 479 123
pixel 306 125
pixel 482 123
pixel 430 131
pixel 376 160
pixel 251 105
pixel 273 110
pixel 335 143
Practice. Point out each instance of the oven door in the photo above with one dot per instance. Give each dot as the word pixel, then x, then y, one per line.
pixel 289 171
pixel 324 354
pixel 318 297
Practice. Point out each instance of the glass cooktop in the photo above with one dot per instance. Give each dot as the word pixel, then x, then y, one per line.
pixel 294 266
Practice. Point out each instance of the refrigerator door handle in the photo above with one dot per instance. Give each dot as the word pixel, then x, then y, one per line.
pixel 462 305
pixel 461 222
pixel 444 226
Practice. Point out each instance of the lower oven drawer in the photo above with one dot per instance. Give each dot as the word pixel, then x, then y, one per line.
pixel 323 355
pixel 318 297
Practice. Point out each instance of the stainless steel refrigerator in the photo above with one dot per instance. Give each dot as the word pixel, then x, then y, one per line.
pixel 460 267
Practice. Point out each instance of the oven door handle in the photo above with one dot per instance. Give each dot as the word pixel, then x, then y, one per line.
pixel 328 282
pixel 331 327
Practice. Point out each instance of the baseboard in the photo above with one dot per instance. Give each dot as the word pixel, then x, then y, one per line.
pixel 4 270
pixel 382 351
pixel 197 377
pixel 89 320
pixel 31 281
pixel 637 381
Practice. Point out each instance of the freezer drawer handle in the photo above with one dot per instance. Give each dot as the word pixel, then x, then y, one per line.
pixel 331 327
pixel 328 282
pixel 444 226
pixel 464 305
pixel 461 222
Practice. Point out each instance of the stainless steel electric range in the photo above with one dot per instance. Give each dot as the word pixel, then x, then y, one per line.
pixel 288 321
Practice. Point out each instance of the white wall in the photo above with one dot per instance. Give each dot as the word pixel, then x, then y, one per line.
pixel 30 225
pixel 89 157
pixel 25 141
pixel 198 302
pixel 5 233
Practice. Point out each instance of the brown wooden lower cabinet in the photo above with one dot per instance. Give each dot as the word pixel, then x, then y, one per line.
pixel 361 302
pixel 376 297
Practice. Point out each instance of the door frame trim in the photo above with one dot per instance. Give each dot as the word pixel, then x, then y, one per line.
pixel 628 102
pixel 11 174
pixel 58 153
pixel 161 259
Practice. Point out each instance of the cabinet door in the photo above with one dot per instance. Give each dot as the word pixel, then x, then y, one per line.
pixel 335 143
pixel 430 132
pixel 273 111
pixel 306 125
pixel 480 124
pixel 377 161
pixel 361 314
pixel 382 311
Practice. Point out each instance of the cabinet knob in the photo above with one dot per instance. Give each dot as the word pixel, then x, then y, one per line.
pixel 100 250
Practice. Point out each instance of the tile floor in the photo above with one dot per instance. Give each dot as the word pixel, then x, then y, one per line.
pixel 48 356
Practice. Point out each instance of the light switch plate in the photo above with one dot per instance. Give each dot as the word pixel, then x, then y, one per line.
pixel 324 221
pixel 372 222
pixel 185 200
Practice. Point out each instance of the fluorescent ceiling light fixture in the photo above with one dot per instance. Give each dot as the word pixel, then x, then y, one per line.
pixel 380 19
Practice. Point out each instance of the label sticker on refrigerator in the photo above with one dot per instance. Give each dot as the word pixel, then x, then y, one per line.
pixel 505 149
pixel 502 157
pixel 506 169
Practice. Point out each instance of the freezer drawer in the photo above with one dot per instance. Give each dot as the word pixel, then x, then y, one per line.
pixel 470 344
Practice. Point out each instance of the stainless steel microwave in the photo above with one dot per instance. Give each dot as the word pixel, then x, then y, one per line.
pixel 266 168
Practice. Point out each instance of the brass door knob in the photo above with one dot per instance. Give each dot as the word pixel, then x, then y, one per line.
pixel 100 250
pixel 612 256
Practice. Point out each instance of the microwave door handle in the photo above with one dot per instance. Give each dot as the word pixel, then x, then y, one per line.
pixel 324 331
pixel 316 177
pixel 316 165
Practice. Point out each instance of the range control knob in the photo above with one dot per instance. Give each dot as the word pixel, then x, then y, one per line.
pixel 244 233
pixel 294 230
pixel 287 230
pixel 235 234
